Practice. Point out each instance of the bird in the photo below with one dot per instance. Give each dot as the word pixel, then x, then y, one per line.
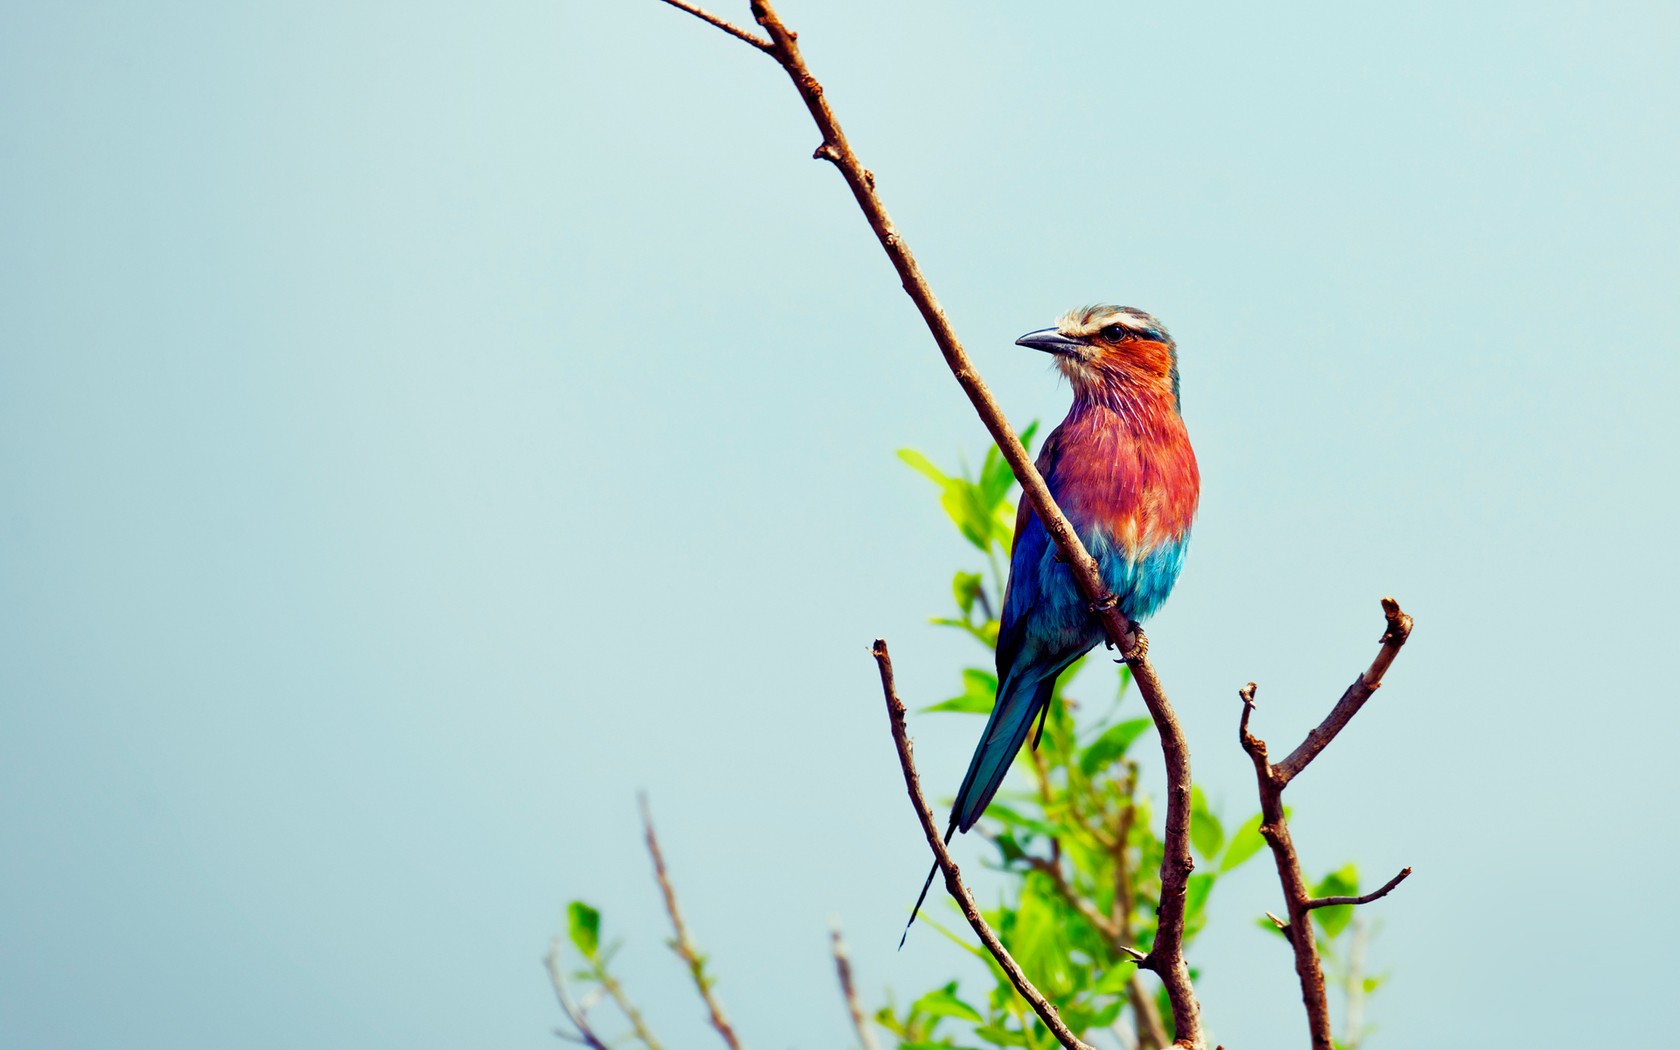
pixel 1121 468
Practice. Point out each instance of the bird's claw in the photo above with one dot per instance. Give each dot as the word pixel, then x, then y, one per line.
pixel 1139 647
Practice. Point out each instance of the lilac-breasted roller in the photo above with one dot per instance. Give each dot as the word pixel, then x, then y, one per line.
pixel 1121 468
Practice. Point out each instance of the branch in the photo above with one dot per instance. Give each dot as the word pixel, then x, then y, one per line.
pixel 1167 956
pixel 616 992
pixel 728 27
pixel 1274 824
pixel 576 1014
pixel 953 879
pixel 680 943
pixel 1399 629
pixel 1330 902
pixel 843 969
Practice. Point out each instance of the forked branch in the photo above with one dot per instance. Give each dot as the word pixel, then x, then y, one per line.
pixel 1166 957
pixel 1274 825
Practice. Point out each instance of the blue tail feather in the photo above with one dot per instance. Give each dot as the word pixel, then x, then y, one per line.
pixel 1019 702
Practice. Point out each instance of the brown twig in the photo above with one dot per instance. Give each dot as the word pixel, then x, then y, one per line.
pixel 1274 826
pixel 576 1014
pixel 1399 629
pixel 1331 902
pixel 1167 957
pixel 680 942
pixel 843 969
pixel 728 27
pixel 615 990
pixel 953 879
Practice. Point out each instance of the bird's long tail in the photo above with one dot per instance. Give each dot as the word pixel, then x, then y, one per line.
pixel 920 897
pixel 1018 705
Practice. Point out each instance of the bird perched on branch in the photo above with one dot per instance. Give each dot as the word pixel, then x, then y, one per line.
pixel 1121 468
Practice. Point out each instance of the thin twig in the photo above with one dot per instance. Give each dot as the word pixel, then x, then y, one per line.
pixel 843 969
pixel 728 27
pixel 616 991
pixel 1399 629
pixel 1274 826
pixel 1167 956
pixel 1330 902
pixel 953 879
pixel 577 1015
pixel 680 943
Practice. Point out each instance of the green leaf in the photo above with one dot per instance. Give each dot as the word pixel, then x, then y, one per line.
pixel 978 695
pixel 997 1035
pixel 1106 1016
pixel 1245 842
pixel 962 502
pixel 1196 892
pixel 585 927
pixel 923 466
pixel 965 587
pixel 1009 817
pixel 1205 832
pixel 943 1002
pixel 1343 882
pixel 1116 979
pixel 1111 745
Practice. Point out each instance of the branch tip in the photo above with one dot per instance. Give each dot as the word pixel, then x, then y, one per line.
pixel 728 27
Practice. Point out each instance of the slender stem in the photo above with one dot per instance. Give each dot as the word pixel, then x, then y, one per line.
pixel 1399 629
pixel 728 27
pixel 953 878
pixel 615 990
pixel 1329 902
pixel 848 991
pixel 680 943
pixel 576 1014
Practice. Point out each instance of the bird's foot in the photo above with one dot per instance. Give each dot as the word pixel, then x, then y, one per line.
pixel 1139 647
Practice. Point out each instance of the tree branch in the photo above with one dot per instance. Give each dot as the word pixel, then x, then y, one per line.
pixel 680 943
pixel 728 27
pixel 1274 826
pixel 615 991
pixel 1399 629
pixel 843 970
pixel 953 879
pixel 1331 902
pixel 576 1014
pixel 1167 956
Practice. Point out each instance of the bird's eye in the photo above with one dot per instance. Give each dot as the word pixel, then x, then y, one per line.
pixel 1114 333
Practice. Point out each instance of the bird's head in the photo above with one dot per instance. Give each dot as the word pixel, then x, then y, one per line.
pixel 1111 351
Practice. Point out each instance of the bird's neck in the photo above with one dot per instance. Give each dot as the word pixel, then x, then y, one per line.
pixel 1141 412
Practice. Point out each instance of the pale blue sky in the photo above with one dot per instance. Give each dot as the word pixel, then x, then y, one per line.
pixel 422 426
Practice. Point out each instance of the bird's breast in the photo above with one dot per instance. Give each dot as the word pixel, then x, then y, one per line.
pixel 1129 476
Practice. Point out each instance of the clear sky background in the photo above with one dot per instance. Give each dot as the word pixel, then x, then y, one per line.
pixel 422 426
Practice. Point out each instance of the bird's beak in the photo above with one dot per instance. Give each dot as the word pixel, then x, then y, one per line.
pixel 1050 341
